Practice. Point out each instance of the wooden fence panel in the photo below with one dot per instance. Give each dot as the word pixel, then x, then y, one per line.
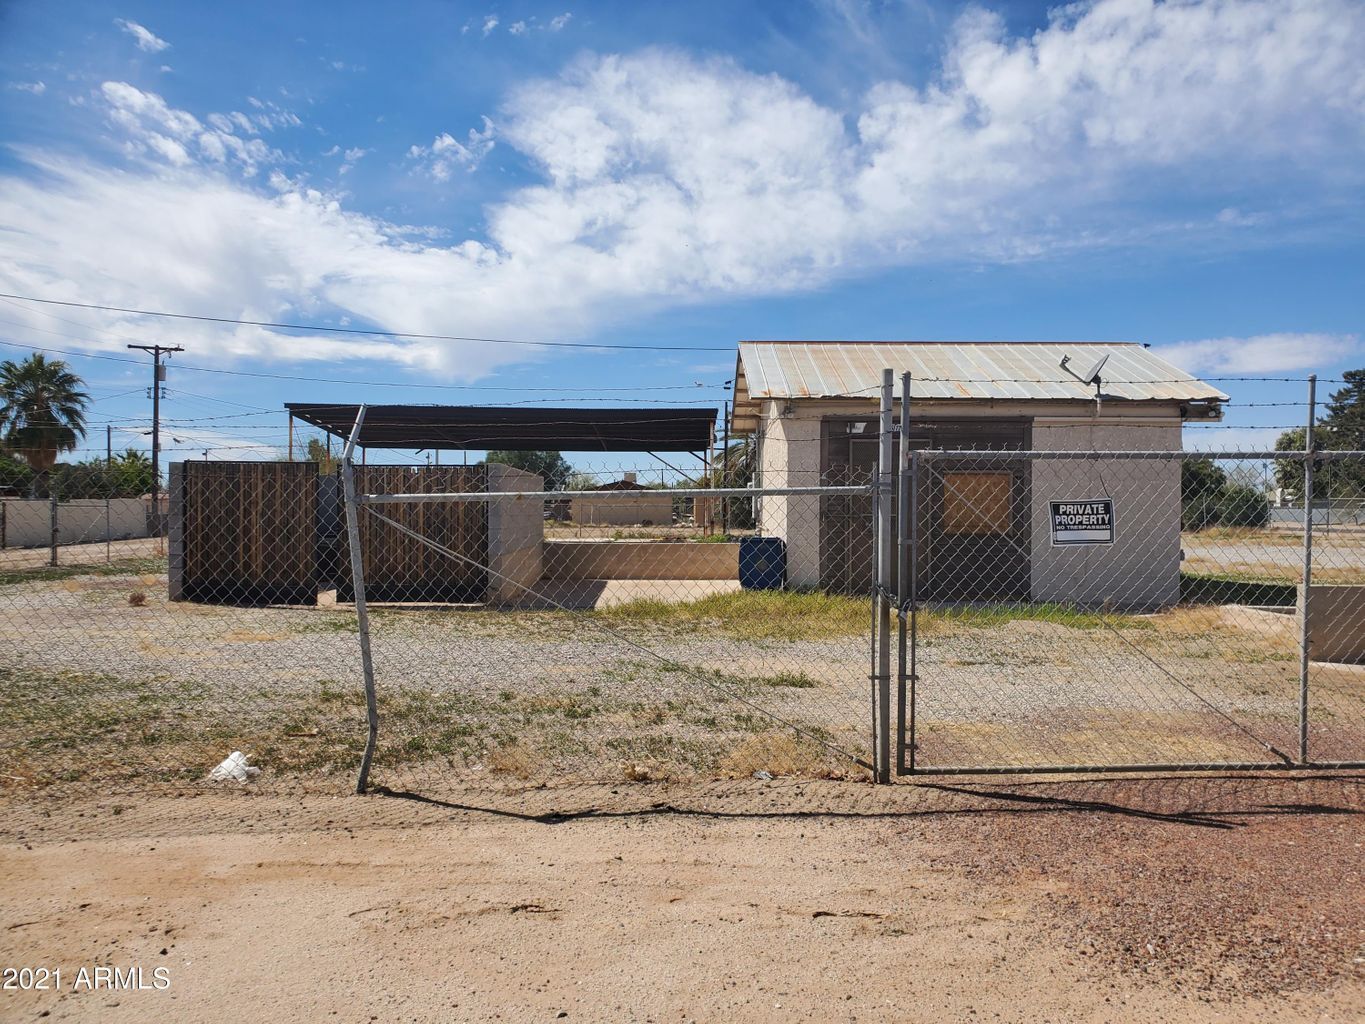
pixel 401 568
pixel 248 531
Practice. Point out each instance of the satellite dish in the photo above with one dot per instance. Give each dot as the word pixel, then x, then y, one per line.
pixel 1090 376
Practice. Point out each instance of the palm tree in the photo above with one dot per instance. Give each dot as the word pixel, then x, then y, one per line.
pixel 42 410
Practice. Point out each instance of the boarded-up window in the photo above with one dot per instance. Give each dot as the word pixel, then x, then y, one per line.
pixel 976 502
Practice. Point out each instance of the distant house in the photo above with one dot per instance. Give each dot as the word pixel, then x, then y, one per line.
pixel 624 502
pixel 985 526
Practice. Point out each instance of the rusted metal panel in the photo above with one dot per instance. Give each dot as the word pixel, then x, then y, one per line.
pixel 963 370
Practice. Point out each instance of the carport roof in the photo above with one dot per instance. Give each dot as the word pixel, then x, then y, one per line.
pixel 516 428
pixel 971 370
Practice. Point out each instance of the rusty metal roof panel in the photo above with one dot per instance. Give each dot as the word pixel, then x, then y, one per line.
pixel 964 370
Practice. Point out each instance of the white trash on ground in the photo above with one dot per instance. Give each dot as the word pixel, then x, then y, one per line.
pixel 234 768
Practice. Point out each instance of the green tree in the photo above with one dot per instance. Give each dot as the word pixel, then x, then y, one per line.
pixel 42 410
pixel 1241 505
pixel 128 475
pixel 551 466
pixel 16 477
pixel 1342 428
pixel 131 475
pixel 1202 485
pixel 317 452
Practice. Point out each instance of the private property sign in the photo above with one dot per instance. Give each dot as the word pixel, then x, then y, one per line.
pixel 1083 522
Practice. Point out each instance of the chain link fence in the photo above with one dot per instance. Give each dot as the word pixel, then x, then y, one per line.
pixel 1044 610
pixel 1111 610
pixel 632 624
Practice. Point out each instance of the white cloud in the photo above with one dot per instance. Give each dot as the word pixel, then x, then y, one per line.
pixel 667 179
pixel 350 158
pixel 221 446
pixel 144 38
pixel 1261 353
pixel 154 127
pixel 36 88
pixel 490 23
pixel 445 154
pixel 559 22
pixel 184 240
pixel 517 28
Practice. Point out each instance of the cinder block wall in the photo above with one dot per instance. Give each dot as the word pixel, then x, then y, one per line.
pixel 624 508
pixel 1336 623
pixel 640 560
pixel 516 534
pixel 28 523
pixel 1140 571
pixel 791 458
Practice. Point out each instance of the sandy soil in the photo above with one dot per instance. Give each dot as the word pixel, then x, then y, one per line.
pixel 740 901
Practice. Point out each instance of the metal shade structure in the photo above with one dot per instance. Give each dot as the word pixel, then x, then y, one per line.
pixel 516 428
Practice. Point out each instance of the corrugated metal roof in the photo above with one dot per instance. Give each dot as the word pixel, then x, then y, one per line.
pixel 960 370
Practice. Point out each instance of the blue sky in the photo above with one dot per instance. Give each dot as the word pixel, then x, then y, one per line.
pixel 1188 175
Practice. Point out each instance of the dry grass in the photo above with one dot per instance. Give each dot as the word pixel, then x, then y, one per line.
pixel 778 753
pixel 756 614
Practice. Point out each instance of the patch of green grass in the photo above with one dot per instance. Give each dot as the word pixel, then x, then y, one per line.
pixel 794 680
pixel 51 573
pixel 993 615
pixel 327 622
pixel 755 614
pixel 1236 588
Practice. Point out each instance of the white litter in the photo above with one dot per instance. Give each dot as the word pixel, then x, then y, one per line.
pixel 234 769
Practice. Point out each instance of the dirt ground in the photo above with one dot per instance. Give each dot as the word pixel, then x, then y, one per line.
pixel 1211 899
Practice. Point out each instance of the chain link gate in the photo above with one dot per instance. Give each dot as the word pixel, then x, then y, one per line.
pixel 1067 611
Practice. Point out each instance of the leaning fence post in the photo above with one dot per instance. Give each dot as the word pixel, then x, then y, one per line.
pixel 361 613
pixel 884 511
pixel 1308 449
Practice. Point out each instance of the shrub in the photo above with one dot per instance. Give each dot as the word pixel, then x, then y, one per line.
pixel 1243 506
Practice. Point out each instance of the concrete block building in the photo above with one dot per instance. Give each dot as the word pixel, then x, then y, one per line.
pixel 985 525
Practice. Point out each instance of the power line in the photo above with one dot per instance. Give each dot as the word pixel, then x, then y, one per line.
pixel 360 331
pixel 364 332
pixel 302 378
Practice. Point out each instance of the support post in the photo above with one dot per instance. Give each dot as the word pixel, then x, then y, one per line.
pixel 912 742
pixel 904 513
pixel 52 520
pixel 725 470
pixel 108 483
pixel 158 379
pixel 1309 447
pixel 884 513
pixel 361 613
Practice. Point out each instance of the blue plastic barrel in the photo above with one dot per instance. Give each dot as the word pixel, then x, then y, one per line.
pixel 762 563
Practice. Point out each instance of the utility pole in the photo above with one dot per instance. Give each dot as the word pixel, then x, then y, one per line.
pixel 158 378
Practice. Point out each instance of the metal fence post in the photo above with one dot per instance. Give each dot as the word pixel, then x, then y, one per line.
pixel 52 522
pixel 911 741
pixel 361 613
pixel 903 516
pixel 1308 449
pixel 884 510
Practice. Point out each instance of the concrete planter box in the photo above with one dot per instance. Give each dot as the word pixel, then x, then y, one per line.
pixel 1336 622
